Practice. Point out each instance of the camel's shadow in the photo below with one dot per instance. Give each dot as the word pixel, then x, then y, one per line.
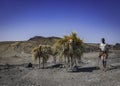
pixel 76 69
pixel 54 66
pixel 83 69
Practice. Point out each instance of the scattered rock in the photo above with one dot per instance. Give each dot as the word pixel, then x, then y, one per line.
pixel 12 78
pixel 29 65
pixel 20 70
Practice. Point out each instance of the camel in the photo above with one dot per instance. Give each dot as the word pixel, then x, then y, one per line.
pixel 68 52
pixel 72 54
pixel 70 48
pixel 42 53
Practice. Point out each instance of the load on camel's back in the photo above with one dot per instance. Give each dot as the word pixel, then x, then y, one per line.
pixel 70 48
pixel 42 52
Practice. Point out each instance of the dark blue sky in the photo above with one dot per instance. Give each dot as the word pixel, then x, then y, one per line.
pixel 91 19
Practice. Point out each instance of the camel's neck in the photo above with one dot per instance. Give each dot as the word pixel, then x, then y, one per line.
pixel 70 48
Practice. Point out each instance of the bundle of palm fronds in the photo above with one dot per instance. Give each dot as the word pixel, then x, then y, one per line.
pixel 62 46
pixel 41 52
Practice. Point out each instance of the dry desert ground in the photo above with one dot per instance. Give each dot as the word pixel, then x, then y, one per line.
pixel 13 72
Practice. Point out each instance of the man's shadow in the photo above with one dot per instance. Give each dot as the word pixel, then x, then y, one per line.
pixel 114 67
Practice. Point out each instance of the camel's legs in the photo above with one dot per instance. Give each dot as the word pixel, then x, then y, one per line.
pixel 76 62
pixel 43 62
pixel 39 62
pixel 70 62
pixel 65 59
pixel 54 59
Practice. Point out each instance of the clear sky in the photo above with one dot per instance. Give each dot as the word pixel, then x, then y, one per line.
pixel 91 19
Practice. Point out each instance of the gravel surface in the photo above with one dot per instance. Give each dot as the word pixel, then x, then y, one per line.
pixel 88 74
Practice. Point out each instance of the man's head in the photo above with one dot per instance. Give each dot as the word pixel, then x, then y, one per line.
pixel 103 40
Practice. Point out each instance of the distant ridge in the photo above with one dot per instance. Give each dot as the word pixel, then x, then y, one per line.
pixel 36 38
pixel 52 40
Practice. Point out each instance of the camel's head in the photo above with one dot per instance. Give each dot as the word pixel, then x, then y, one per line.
pixel 70 41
